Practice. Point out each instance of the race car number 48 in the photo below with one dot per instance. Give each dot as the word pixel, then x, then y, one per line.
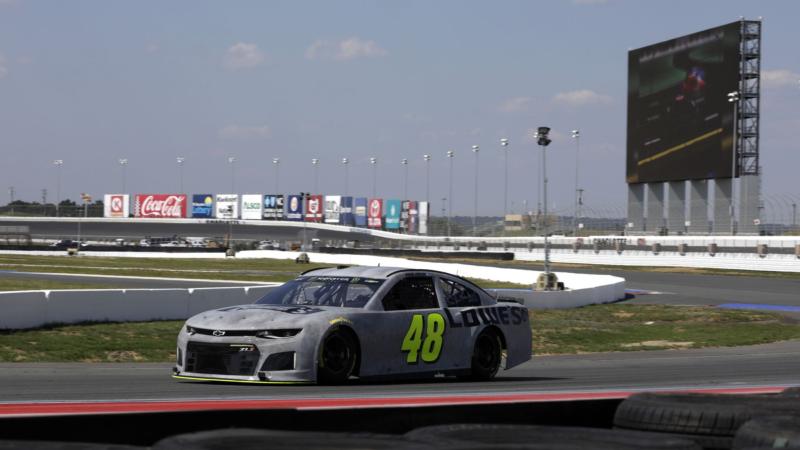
pixel 431 346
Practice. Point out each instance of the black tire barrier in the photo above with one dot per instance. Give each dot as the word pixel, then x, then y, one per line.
pixel 770 432
pixel 543 437
pixel 714 418
pixel 791 392
pixel 258 439
pixel 53 445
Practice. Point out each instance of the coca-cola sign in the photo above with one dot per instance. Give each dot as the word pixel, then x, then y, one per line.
pixel 160 205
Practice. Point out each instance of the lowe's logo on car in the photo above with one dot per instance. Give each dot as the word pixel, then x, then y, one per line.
pixel 161 205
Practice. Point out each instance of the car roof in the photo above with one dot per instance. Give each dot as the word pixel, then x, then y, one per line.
pixel 378 272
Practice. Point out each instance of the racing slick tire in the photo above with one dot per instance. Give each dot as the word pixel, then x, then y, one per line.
pixel 769 432
pixel 712 418
pixel 338 357
pixel 486 356
pixel 258 439
pixel 480 435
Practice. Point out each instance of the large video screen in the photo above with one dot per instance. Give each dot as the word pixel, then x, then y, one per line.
pixel 680 123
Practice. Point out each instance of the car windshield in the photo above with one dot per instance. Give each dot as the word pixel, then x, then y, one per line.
pixel 348 292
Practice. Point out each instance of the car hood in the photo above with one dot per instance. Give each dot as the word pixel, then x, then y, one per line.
pixel 253 317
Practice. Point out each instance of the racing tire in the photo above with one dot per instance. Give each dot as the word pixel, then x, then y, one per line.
pixel 713 418
pixel 770 432
pixel 479 435
pixel 259 439
pixel 338 357
pixel 487 356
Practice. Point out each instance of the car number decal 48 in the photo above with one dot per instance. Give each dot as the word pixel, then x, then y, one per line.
pixel 424 338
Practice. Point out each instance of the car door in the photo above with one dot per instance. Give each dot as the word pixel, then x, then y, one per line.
pixel 410 334
pixel 457 297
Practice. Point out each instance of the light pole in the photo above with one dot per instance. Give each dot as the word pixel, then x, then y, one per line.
pixel 504 146
pixel 231 162
pixel 345 163
pixel 374 161
pixel 180 160
pixel 123 164
pixel 475 150
pixel 58 163
pixel 404 162
pixel 315 163
pixel 543 140
pixel 576 134
pixel 11 202
pixel 277 162
pixel 450 155
pixel 427 159
pixel 733 97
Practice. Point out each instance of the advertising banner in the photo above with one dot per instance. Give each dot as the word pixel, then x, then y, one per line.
pixel 413 217
pixel 314 212
pixel 360 211
pixel 423 209
pixel 171 206
pixel 116 205
pixel 392 214
pixel 294 208
pixel 346 211
pixel 227 206
pixel 333 205
pixel 202 206
pixel 273 207
pixel 375 213
pixel 404 216
pixel 252 206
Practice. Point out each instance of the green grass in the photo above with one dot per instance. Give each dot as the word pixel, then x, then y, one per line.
pixel 600 328
pixel 605 328
pixel 25 284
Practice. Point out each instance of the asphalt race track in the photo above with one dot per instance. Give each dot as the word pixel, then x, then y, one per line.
pixel 730 368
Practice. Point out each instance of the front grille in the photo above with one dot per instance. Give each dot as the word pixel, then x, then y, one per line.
pixel 221 359
pixel 226 333
pixel 279 361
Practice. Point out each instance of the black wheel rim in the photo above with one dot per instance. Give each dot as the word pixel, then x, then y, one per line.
pixel 336 354
pixel 486 354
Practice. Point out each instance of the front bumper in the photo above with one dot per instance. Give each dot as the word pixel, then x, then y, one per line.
pixel 244 359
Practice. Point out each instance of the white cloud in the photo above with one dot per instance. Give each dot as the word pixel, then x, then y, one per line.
pixel 3 68
pixel 245 132
pixel 243 56
pixel 779 78
pixel 152 47
pixel 516 104
pixel 580 98
pixel 345 50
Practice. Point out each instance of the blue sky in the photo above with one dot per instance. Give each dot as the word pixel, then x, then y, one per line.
pixel 90 82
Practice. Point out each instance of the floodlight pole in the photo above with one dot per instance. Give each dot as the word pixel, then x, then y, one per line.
pixel 576 134
pixel 475 149
pixel 544 141
pixel 450 155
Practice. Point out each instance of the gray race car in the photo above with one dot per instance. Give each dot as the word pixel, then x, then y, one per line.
pixel 331 324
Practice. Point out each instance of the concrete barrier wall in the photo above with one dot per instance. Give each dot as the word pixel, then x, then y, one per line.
pixel 30 309
pixel 582 289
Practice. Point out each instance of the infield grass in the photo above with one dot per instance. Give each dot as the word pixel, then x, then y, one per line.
pixel 600 328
